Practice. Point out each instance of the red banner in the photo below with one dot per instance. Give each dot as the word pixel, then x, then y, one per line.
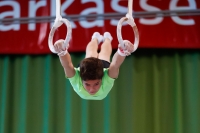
pixel 155 32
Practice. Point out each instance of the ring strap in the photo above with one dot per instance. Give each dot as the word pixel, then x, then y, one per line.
pixel 57 23
pixel 129 19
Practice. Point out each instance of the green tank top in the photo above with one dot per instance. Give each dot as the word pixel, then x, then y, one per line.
pixel 106 86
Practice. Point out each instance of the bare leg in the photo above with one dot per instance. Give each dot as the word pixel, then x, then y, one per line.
pixel 106 48
pixel 91 49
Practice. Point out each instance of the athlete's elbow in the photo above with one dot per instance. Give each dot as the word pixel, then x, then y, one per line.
pixel 68 66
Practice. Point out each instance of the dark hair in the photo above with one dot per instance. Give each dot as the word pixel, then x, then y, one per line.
pixel 91 69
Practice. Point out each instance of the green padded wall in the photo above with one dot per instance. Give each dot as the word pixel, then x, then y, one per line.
pixel 157 91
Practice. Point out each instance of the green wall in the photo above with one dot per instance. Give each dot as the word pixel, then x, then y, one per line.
pixel 157 91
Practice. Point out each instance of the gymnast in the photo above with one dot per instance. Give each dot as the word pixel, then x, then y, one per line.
pixel 94 77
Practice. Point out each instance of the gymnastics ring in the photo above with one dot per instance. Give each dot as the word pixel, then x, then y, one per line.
pixel 57 23
pixel 129 19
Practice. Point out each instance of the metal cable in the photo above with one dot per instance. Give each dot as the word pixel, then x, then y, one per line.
pixel 106 16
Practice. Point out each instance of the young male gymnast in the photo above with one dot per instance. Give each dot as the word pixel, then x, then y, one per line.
pixel 95 75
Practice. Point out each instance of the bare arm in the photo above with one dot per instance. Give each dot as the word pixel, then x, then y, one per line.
pixel 117 60
pixel 65 58
pixel 119 57
pixel 67 65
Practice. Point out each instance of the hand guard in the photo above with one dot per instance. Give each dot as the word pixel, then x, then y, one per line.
pixel 127 50
pixel 59 47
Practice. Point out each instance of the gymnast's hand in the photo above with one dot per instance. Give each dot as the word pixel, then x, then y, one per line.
pixel 59 47
pixel 127 50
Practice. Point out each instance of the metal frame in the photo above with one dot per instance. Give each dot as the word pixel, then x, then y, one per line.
pixel 106 16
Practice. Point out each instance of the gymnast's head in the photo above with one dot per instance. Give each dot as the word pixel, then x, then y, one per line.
pixel 91 73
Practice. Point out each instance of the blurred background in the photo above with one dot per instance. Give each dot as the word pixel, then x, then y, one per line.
pixel 158 88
